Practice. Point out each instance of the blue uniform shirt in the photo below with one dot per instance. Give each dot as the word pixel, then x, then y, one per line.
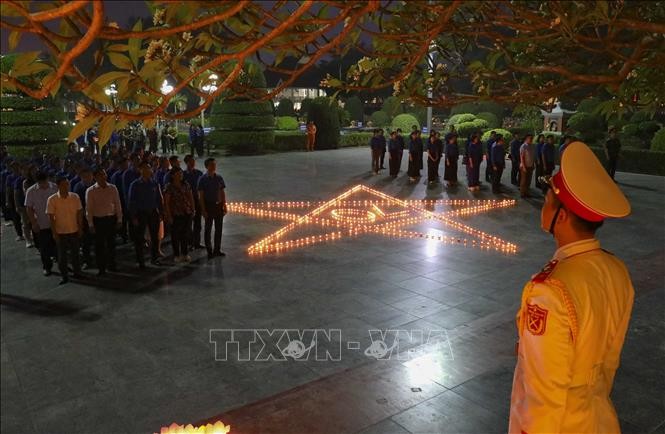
pixel 210 186
pixel 144 196
pixel 498 155
pixel 192 177
pixel 130 175
pixel 80 189
pixel 515 150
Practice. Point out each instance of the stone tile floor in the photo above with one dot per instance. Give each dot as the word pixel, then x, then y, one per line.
pixel 131 353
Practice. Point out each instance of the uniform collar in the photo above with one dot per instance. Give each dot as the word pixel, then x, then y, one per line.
pixel 576 248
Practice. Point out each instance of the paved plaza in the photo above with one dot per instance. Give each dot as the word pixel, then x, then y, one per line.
pixel 131 352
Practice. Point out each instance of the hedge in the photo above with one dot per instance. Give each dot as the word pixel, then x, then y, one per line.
pixel 242 107
pixel 658 141
pixel 243 122
pixel 460 118
pixel 286 123
pixel 58 149
pixel 324 112
pixel 405 121
pixel 33 134
pixel 23 103
pixel 354 139
pixel 590 127
pixel 464 129
pixel 43 117
pixel 288 141
pixel 507 136
pixel 242 142
pixel 285 108
pixel 490 118
pixel 636 161
pixel 379 119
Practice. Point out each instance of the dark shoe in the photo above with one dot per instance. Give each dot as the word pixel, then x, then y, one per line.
pixel 47 273
pixel 64 281
pixel 101 273
pixel 199 246
pixel 141 266
pixel 211 255
pixel 219 253
pixel 79 275
pixel 156 262
pixel 113 268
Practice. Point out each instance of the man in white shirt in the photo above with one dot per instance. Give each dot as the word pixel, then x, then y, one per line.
pixel 527 164
pixel 35 204
pixel 104 215
pixel 66 214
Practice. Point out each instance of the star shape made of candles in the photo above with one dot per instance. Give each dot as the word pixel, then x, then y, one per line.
pixel 377 213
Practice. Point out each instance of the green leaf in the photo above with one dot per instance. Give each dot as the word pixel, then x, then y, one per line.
pixel 14 37
pixel 81 127
pixel 120 48
pixel 106 128
pixel 120 61
pixel 134 44
pixel 24 60
pixel 110 77
pixel 56 87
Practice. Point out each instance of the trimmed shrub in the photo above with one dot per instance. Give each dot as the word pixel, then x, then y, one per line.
pixel 480 107
pixel 324 112
pixel 286 141
pixel 286 123
pixel 354 139
pixel 344 117
pixel 640 116
pixel 658 141
pixel 588 105
pixel 392 106
pixel 379 119
pixel 647 129
pixel 58 149
pixel 490 118
pixel 30 122
pixel 507 135
pixel 304 106
pixel 630 130
pixel 355 108
pixel 182 138
pixel 460 118
pixel 285 108
pixel 636 160
pixel 405 121
pixel 590 127
pixel 466 128
pixel 242 126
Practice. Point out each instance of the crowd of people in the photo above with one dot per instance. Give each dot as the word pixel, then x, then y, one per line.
pixel 528 158
pixel 72 209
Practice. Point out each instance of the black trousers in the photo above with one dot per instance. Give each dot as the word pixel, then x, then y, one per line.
pixel 68 243
pixel 612 165
pixel 105 241
pixel 47 249
pixel 14 216
pixel 489 170
pixel 216 218
pixel 496 178
pixel 180 235
pixel 394 162
pixel 149 220
pixel 433 169
pixel 376 157
pixel 383 157
pixel 514 172
pixel 539 173
pixel 87 241
pixel 195 230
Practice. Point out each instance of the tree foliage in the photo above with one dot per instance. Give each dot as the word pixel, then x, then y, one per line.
pixel 355 108
pixel 405 121
pixel 285 108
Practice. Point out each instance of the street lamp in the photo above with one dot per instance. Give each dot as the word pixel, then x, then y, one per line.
pixel 166 89
pixel 209 87
pixel 111 91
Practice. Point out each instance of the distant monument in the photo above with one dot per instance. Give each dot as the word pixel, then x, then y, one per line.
pixel 554 120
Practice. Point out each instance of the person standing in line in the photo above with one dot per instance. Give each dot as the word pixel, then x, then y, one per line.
pixel 179 208
pixel 152 139
pixel 173 162
pixel 191 176
pixel 433 158
pixel 19 200
pixel 116 179
pixel 87 238
pixel 382 140
pixel 173 138
pixel 489 170
pixel 212 199
pixel 498 161
pixel 145 206
pixel 540 143
pixel 473 166
pixel 200 141
pixel 612 151
pixel 192 138
pixel 104 215
pixel 29 181
pixel 165 139
pixel 565 141
pixel 66 215
pixel 14 216
pixel 415 155
pixel 375 147
pixel 574 314
pixel 515 160
pixel 402 146
pixel 451 155
pixel 527 160
pixel 36 198
pixel 548 161
pixel 394 154
pixel 311 136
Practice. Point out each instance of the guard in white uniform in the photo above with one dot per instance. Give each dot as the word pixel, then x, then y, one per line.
pixel 575 312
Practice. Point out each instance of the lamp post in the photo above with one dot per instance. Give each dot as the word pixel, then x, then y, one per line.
pixel 166 89
pixel 209 87
pixel 111 91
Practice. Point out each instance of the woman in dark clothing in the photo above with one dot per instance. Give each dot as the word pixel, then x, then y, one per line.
pixel 165 139
pixel 395 154
pixel 473 167
pixel 451 152
pixel 434 149
pixel 179 207
pixel 415 155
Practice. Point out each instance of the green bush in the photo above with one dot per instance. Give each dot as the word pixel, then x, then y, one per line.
pixel 392 106
pixel 58 149
pixel 354 139
pixel 647 129
pixel 24 135
pixel 355 108
pixel 379 119
pixel 640 116
pixel 464 129
pixel 630 130
pixel 242 142
pixel 460 118
pixel 324 112
pixel 590 127
pixel 507 136
pixel 636 161
pixel 30 122
pixel 242 107
pixel 285 123
pixel 405 121
pixel 588 105
pixel 480 107
pixel 236 121
pixel 182 138
pixel 286 141
pixel 490 118
pixel 285 108
pixel 304 106
pixel 344 117
pixel 658 141
pixel 41 117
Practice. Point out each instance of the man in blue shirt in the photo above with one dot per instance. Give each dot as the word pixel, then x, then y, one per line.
pixel 116 179
pixel 191 176
pixel 394 154
pixel 145 205
pixel 515 160
pixel 376 146
pixel 212 200
pixel 548 160
pixel 488 156
pixel 540 143
pixel 130 175
pixel 498 162
pixel 382 140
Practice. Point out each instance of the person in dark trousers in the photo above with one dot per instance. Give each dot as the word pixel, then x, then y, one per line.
pixel 165 139
pixel 612 151
pixel 116 179
pixel 527 163
pixel 145 206
pixel 212 199
pixel 191 176
pixel 200 141
pixel 104 215
pixel 14 216
pixel 179 209
pixel 65 211
pixel 382 139
pixel 36 198
pixel 451 156
pixel 402 146
pixel 540 143
pixel 415 155
pixel 88 238
pixel 548 160
pixel 498 161
pixel 434 149
pixel 394 154
pixel 153 137
pixel 488 156
pixel 515 160
pixel 376 146
pixel 473 165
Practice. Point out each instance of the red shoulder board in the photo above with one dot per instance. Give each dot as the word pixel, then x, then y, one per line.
pixel 545 272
